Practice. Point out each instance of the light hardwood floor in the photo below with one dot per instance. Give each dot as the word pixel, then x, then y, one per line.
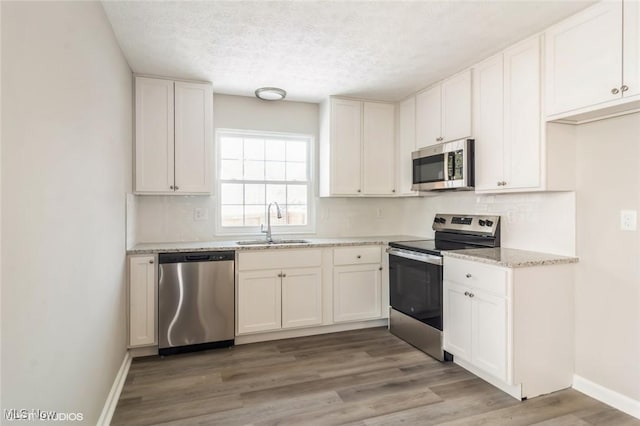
pixel 363 377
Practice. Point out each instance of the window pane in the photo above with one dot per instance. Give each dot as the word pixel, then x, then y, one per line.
pixel 254 215
pixel 231 215
pixel 253 149
pixel 231 193
pixel 274 170
pixel 297 215
pixel 277 193
pixel 254 194
pixel 231 148
pixel 296 171
pixel 231 169
pixel 296 151
pixel 275 150
pixel 254 170
pixel 296 194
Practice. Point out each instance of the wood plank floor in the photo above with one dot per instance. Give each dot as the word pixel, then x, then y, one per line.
pixel 363 377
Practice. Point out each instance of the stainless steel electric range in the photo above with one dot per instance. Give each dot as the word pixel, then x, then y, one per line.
pixel 415 277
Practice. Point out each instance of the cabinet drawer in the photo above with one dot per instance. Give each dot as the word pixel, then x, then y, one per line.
pixel 356 255
pixel 476 275
pixel 279 259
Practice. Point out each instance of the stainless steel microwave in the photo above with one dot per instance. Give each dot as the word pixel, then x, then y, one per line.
pixel 446 166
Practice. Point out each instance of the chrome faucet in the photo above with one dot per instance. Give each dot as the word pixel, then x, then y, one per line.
pixel 268 230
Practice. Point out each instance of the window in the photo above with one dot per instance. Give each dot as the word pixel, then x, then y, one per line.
pixel 256 169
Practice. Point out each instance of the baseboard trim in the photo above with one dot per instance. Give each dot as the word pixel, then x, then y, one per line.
pixel 114 395
pixel 608 396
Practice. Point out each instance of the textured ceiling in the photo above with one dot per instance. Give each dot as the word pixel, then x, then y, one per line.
pixel 382 50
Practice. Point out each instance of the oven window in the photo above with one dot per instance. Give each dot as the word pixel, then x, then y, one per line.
pixel 428 169
pixel 415 289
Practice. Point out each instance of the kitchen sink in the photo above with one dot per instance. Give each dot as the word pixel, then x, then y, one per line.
pixel 273 243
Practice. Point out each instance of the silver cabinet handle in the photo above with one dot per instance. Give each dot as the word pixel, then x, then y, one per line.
pixel 284 275
pixel 151 261
pixel 393 190
pixel 176 187
pixel 280 275
pixel 615 91
pixel 624 88
pixel 439 139
pixel 471 294
pixel 171 187
pixel 359 190
pixel 359 256
pixel 468 275
pixel 499 183
pixel 380 268
pixel 466 293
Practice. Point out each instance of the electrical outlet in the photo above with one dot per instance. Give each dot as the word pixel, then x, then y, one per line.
pixel 200 214
pixel 628 220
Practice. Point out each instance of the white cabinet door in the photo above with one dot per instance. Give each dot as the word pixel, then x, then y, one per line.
pixel 301 297
pixel 346 147
pixel 193 137
pixel 522 116
pixel 631 53
pixel 142 301
pixel 584 59
pixel 259 301
pixel 456 107
pixel 356 292
pixel 488 116
pixel 457 321
pixel 489 333
pixel 428 117
pixel 406 145
pixel 154 135
pixel 379 149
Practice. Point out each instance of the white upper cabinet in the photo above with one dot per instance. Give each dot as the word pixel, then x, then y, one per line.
pixel 508 127
pixel 378 149
pixel 174 133
pixel 154 135
pixel 428 117
pixel 592 60
pixel 456 107
pixel 357 148
pixel 406 145
pixel 522 115
pixel 488 114
pixel 443 112
pixel 193 129
pixel 346 147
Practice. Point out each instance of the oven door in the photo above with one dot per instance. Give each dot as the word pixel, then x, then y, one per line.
pixel 415 285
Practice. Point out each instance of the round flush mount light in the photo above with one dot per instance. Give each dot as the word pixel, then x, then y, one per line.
pixel 270 94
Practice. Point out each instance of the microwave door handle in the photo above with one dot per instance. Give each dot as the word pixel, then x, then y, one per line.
pixel 446 166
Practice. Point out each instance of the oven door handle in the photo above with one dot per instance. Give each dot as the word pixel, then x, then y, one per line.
pixel 420 257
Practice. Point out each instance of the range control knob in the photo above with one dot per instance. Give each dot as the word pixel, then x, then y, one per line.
pixel 481 222
pixel 489 222
pixel 442 220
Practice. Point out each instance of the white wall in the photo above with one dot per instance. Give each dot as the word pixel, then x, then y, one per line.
pixel 608 274
pixel 66 166
pixel 170 218
pixel 539 222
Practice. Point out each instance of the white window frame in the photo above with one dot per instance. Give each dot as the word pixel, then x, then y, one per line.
pixel 309 228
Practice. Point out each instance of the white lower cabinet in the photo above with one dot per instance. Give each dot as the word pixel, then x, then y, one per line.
pixel 259 301
pixel 357 282
pixel 356 292
pixel 279 289
pixel 511 326
pixel 142 301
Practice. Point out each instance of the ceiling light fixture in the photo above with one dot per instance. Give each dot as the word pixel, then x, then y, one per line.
pixel 270 94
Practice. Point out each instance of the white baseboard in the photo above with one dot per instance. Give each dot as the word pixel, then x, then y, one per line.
pixel 114 395
pixel 608 396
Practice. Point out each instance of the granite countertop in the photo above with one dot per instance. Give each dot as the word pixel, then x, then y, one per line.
pixel 510 258
pixel 150 248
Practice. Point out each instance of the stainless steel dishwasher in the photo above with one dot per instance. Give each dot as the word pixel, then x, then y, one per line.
pixel 195 301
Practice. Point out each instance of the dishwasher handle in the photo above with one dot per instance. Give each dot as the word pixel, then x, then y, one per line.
pixel 199 256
